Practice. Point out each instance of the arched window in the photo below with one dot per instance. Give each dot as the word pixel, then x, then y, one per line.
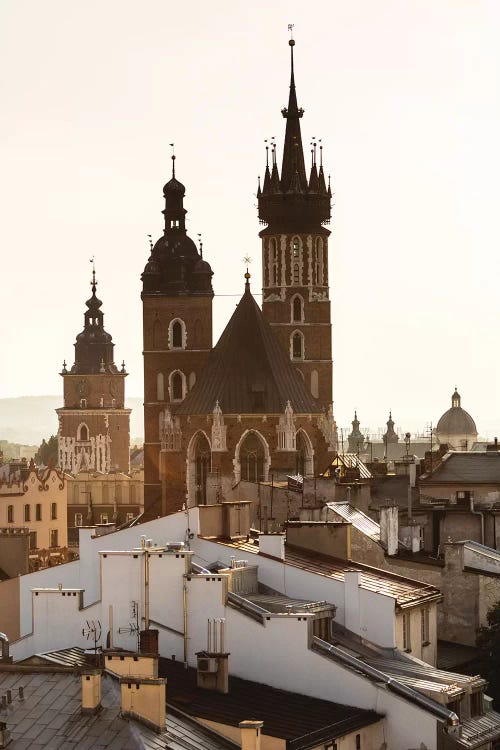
pixel 296 260
pixel 273 263
pixel 177 386
pixel 10 514
pixel 297 309
pixel 201 468
pixel 82 433
pixel 160 387
pixel 177 334
pixel 319 262
pixel 297 345
pixel 252 458
pixel 83 403
pixel 314 384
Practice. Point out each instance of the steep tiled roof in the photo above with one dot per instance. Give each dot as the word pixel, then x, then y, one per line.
pixel 248 371
pixel 286 715
pixel 473 468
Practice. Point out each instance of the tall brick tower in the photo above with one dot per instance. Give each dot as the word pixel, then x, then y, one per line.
pixel 177 335
pixel 94 426
pixel 295 255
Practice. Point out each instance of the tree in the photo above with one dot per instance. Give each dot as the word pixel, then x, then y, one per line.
pixel 488 640
pixel 48 452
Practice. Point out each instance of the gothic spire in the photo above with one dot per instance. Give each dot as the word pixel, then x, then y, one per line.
pixel 293 169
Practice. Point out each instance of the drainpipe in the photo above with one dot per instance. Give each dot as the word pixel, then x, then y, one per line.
pixel 477 513
pixel 146 589
pixel 184 602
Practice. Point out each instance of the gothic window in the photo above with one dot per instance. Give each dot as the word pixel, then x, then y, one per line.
pixel 296 260
pixel 160 387
pixel 252 459
pixel 83 403
pixel 177 386
pixel 319 262
pixel 297 309
pixel 201 468
pixel 156 334
pixel 177 334
pixel 297 345
pixel 314 384
pixel 82 433
pixel 273 263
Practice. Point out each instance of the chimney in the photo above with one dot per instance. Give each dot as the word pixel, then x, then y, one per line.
pixel 4 734
pixel 91 691
pixel 144 699
pixel 272 545
pixel 389 528
pixel 213 664
pixel 250 734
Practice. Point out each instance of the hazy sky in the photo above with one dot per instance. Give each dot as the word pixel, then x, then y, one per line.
pixel 404 94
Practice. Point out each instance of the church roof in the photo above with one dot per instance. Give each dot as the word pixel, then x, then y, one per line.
pixel 248 371
pixel 456 421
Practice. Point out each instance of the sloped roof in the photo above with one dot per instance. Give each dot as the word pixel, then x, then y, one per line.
pixel 299 719
pixel 473 468
pixel 248 371
pixel 359 520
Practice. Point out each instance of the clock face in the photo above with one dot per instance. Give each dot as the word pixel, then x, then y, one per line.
pixel 82 388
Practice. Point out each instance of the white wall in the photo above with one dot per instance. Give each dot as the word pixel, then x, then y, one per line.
pixel 67 574
pixel 376 615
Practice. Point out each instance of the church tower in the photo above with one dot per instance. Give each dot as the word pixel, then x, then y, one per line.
pixel 177 337
pixel 295 210
pixel 94 426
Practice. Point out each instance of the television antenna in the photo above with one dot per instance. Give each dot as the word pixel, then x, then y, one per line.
pixel 93 631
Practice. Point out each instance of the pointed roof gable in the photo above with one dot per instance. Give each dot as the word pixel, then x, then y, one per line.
pixel 248 371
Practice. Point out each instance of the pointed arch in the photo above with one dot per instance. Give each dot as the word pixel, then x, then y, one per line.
pixel 177 385
pixel 199 464
pixel 297 309
pixel 177 334
pixel 305 454
pixel 297 345
pixel 319 262
pixel 82 433
pixel 252 450
pixel 296 253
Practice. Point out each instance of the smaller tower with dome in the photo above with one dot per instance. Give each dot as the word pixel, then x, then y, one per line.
pixel 456 427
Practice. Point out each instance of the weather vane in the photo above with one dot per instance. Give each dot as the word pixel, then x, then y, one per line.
pixel 93 282
pixel 247 259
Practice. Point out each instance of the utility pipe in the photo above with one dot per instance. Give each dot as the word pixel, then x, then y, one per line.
pixel 146 589
pixel 184 603
pixel 477 513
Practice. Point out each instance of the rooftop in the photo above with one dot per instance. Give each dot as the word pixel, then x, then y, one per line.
pixel 467 468
pixel 49 716
pixel 406 591
pixel 303 721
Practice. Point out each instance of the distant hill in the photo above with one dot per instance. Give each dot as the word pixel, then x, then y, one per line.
pixel 29 419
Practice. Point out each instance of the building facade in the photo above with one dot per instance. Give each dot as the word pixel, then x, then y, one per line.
pixel 95 498
pixel 258 405
pixel 94 425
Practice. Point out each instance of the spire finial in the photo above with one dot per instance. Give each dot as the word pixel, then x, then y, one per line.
pixel 201 243
pixel 173 159
pixel 93 283
pixel 291 42
pixel 247 260
pixel 150 237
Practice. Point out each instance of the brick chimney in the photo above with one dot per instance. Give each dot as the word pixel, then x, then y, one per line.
pixel 143 699
pixel 250 734
pixel 91 691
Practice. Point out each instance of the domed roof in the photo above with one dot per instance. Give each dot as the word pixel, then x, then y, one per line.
pixel 174 186
pixel 456 421
pixel 202 267
pixel 152 267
